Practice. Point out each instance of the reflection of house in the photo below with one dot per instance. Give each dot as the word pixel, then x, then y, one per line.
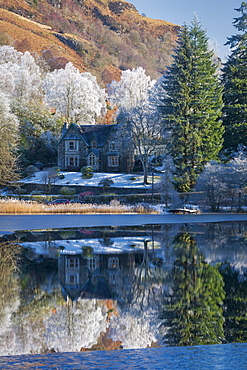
pixel 97 146
pixel 101 276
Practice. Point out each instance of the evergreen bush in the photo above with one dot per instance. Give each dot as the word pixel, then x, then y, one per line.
pixel 87 172
pixel 65 190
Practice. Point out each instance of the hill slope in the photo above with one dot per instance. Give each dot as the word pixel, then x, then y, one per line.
pixel 99 36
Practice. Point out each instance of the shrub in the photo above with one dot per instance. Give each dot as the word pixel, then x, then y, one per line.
pixel 30 170
pixel 21 191
pixel 106 183
pixel 61 177
pixel 37 192
pixel 87 252
pixel 65 190
pixel 87 172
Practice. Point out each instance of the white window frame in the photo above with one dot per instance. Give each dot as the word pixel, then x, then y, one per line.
pixel 72 146
pixel 74 281
pixel 72 160
pixel 91 264
pixel 113 160
pixel 72 263
pixel 92 160
pixel 113 263
pixel 112 146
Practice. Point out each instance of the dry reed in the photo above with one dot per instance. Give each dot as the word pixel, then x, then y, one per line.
pixel 13 206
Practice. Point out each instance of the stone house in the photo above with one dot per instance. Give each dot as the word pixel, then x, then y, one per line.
pixel 98 146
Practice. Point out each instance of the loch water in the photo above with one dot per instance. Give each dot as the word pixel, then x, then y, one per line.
pixel 143 297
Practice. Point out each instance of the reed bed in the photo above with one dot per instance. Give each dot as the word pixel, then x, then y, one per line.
pixel 14 206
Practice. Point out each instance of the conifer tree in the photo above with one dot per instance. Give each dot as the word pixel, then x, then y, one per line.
pixel 191 104
pixel 235 85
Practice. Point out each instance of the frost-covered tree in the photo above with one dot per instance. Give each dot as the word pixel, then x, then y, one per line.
pixel 138 117
pixel 8 54
pixel 28 82
pixel 223 183
pixel 20 76
pixel 132 89
pixel 166 188
pixel 143 124
pixel 75 96
pixel 8 142
pixel 212 185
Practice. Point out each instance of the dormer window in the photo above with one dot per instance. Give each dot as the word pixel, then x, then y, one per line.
pixel 112 146
pixel 94 144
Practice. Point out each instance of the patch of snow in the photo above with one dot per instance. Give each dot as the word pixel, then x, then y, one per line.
pixel 123 180
pixel 119 245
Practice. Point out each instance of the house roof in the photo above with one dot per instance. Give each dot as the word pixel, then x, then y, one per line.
pixel 88 133
pixel 99 133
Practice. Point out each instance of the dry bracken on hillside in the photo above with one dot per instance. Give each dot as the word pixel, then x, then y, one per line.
pixel 99 36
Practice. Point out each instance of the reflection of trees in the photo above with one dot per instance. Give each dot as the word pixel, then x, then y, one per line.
pixel 193 311
pixel 9 295
pixel 8 276
pixel 235 305
pixel 148 279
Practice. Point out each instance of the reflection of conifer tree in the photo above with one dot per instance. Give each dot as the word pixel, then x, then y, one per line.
pixel 235 305
pixel 193 312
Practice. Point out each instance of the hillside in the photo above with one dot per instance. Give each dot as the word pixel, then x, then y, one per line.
pixel 99 36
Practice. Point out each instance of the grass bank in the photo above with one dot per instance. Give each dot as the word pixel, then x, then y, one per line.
pixel 14 206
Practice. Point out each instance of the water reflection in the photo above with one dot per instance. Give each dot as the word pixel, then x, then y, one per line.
pixel 71 290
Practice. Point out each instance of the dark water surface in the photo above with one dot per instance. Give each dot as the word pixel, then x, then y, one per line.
pixel 150 296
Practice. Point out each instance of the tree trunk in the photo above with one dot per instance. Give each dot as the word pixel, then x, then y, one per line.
pixel 145 174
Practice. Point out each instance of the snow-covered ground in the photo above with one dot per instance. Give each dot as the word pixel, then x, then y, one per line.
pixel 70 246
pixel 122 180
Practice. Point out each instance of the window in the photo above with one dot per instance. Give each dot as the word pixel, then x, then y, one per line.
pixel 113 263
pixel 72 146
pixel 113 161
pixel 92 160
pixel 72 263
pixel 72 160
pixel 112 278
pixel 112 146
pixel 72 279
pixel 91 264
pixel 94 144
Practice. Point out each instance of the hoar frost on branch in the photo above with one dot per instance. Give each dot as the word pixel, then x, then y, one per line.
pixel 20 76
pixel 137 114
pixel 131 90
pixel 74 95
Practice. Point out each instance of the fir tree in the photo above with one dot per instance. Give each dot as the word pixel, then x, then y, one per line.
pixel 235 85
pixel 191 105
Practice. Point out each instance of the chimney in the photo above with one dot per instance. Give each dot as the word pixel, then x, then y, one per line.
pixel 64 129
